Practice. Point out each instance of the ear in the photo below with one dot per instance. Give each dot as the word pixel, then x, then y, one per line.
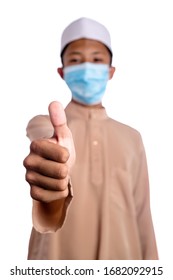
pixel 60 72
pixel 111 72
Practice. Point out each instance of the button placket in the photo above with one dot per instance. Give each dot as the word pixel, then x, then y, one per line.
pixel 96 155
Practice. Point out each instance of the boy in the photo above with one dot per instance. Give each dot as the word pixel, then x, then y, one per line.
pixel 87 172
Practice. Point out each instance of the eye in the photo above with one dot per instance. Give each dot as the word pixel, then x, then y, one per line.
pixel 97 60
pixel 74 60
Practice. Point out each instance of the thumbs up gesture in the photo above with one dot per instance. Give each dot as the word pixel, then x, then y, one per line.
pixel 62 133
pixel 50 160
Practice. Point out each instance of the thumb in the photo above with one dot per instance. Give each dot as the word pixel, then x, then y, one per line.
pixel 61 131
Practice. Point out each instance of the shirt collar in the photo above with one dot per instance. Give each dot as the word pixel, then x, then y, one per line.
pixel 75 110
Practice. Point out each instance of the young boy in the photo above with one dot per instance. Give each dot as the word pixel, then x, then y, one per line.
pixel 87 172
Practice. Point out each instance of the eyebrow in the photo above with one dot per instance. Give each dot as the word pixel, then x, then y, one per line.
pixel 74 52
pixel 79 53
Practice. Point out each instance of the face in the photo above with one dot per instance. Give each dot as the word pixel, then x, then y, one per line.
pixel 86 50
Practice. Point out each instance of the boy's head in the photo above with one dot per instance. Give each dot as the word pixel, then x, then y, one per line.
pixel 86 56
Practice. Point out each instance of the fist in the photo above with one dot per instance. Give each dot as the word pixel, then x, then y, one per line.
pixel 50 160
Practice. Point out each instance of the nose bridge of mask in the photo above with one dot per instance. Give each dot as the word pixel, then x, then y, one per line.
pixel 88 71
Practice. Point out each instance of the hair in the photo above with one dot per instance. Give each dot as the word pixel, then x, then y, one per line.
pixel 64 49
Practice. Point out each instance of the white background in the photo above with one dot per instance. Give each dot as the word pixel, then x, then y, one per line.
pixel 139 95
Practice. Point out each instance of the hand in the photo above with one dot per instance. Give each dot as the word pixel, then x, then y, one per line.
pixel 50 160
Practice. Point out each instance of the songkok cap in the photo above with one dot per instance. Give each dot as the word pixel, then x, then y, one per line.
pixel 85 28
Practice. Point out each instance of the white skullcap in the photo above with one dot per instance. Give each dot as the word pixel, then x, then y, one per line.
pixel 85 28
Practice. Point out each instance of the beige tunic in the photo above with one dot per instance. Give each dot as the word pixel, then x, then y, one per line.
pixel 109 215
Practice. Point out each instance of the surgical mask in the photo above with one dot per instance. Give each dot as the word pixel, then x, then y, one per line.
pixel 87 81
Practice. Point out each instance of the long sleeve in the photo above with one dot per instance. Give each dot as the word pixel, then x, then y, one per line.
pixel 142 203
pixel 47 217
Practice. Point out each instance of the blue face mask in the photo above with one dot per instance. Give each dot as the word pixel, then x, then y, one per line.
pixel 87 81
